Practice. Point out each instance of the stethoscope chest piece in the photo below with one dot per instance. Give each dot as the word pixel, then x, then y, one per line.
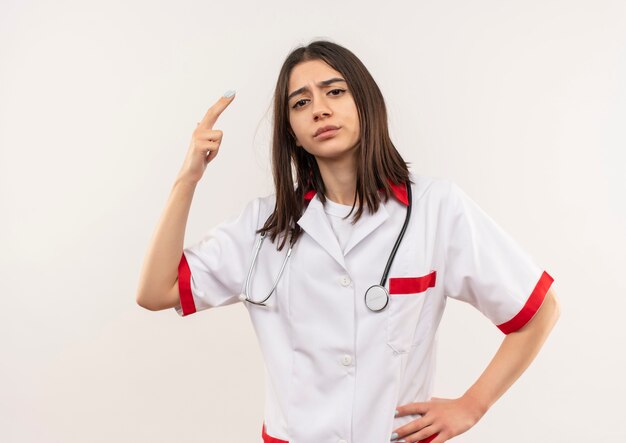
pixel 376 298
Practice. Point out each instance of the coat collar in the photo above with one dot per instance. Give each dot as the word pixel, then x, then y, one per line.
pixel 399 192
pixel 315 223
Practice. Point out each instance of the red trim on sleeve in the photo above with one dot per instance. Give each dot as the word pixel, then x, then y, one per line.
pixel 269 439
pixel 184 287
pixel 429 439
pixel 531 307
pixel 410 285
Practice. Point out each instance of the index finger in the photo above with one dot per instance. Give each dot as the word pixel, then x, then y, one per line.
pixel 417 408
pixel 214 111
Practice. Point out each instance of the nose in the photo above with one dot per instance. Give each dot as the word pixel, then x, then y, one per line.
pixel 322 113
pixel 320 109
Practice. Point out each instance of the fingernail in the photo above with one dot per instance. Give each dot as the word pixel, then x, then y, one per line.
pixel 396 414
pixel 394 435
pixel 229 93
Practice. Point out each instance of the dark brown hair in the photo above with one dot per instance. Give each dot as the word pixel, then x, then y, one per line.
pixel 378 162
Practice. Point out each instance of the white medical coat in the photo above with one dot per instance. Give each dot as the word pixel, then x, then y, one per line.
pixel 335 371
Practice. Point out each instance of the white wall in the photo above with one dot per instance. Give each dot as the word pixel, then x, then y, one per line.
pixel 522 103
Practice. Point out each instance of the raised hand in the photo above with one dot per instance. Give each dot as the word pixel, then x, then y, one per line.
pixel 205 142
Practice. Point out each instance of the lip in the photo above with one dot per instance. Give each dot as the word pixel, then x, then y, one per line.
pixel 326 131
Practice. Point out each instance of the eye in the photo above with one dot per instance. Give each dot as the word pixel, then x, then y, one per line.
pixel 339 91
pixel 295 106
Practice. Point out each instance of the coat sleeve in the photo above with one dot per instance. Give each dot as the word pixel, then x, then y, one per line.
pixel 486 268
pixel 211 272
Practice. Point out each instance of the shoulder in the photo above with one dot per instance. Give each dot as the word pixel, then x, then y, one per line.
pixel 431 188
pixel 260 208
pixel 267 203
pixel 250 213
pixel 442 197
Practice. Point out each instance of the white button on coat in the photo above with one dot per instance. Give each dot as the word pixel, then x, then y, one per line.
pixel 451 249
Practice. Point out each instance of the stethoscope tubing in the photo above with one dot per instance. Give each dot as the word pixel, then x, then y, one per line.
pixel 392 256
pixel 251 270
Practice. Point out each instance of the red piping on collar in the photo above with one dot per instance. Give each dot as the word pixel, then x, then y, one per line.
pixel 399 192
pixel 308 196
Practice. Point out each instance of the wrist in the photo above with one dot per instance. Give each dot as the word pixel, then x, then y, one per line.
pixel 476 404
pixel 185 181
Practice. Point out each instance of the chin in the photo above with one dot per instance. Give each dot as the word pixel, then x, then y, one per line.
pixel 331 152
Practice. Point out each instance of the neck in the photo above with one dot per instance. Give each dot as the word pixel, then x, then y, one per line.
pixel 339 179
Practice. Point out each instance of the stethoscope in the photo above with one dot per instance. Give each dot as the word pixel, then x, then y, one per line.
pixel 376 297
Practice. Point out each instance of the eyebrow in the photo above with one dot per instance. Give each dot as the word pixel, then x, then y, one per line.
pixel 320 84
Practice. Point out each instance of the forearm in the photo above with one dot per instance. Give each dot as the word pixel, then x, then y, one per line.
pixel 517 351
pixel 160 267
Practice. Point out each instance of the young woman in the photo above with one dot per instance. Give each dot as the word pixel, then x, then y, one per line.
pixel 345 270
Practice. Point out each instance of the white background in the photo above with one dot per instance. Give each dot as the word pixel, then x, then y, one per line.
pixel 522 103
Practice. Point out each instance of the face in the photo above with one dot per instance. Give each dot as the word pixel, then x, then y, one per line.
pixel 321 97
